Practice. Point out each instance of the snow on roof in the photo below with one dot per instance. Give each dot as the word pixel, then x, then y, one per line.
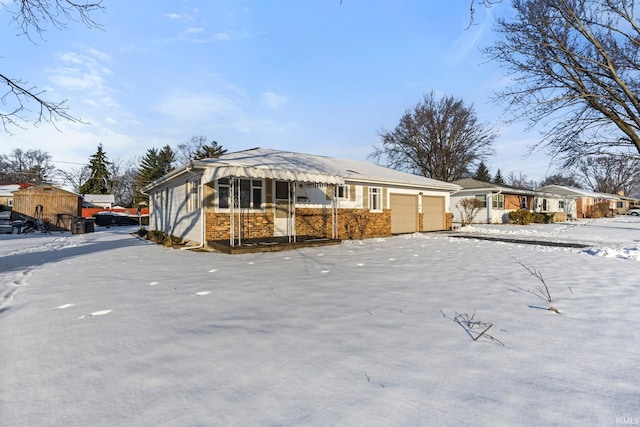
pixel 7 190
pixel 566 190
pixel 285 165
pixel 99 198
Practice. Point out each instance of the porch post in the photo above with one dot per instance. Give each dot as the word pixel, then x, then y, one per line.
pixel 232 232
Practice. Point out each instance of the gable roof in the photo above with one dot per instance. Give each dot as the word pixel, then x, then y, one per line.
pixel 474 184
pixel 291 166
pixel 566 190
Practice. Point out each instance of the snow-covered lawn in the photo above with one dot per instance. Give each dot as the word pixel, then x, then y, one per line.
pixel 104 329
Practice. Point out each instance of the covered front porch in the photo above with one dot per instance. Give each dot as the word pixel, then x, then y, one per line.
pixel 257 207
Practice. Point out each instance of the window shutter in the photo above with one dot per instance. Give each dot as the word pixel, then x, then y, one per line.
pixel 365 197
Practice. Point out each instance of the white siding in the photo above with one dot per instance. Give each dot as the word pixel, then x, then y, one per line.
pixel 170 212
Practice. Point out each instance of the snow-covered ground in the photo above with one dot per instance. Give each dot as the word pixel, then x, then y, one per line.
pixel 104 329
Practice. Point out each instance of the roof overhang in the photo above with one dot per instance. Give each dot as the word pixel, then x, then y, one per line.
pixel 257 172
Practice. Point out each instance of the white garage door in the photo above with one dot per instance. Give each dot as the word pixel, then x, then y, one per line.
pixel 404 213
pixel 433 209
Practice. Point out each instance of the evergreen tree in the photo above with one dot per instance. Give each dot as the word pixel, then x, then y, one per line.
pixel 153 165
pixel 99 181
pixel 498 179
pixel 209 151
pixel 482 173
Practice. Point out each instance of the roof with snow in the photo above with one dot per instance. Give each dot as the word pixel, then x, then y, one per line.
pixel 290 166
pixel 565 190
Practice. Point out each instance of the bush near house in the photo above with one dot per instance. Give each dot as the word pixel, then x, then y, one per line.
pixel 601 210
pixel 524 217
pixel 520 217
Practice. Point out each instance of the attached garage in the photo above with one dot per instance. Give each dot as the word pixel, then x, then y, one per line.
pixel 433 209
pixel 404 213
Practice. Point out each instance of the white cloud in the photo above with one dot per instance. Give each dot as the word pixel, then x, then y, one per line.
pixel 193 107
pixel 86 73
pixel 194 30
pixel 273 101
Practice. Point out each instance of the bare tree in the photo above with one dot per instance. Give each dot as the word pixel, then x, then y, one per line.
pixel 33 17
pixel 520 180
pixel 575 66
pixel 439 138
pixel 610 174
pixel 74 177
pixel 32 166
pixel 123 180
pixel 560 179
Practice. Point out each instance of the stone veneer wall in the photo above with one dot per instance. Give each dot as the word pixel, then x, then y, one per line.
pixel 254 225
pixel 352 224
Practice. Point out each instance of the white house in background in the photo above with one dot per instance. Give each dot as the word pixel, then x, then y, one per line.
pixel 262 193
pixel 6 194
pixel 497 200
pixel 580 203
pixel 104 201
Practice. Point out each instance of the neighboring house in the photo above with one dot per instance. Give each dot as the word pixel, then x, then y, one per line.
pixel 624 203
pixel 497 200
pixel 104 201
pixel 49 203
pixel 6 194
pixel 581 203
pixel 262 193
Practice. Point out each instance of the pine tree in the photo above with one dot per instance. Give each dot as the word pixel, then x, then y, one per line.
pixel 482 173
pixel 498 179
pixel 209 151
pixel 154 165
pixel 99 181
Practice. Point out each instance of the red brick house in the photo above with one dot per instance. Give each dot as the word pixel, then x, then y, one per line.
pixel 262 193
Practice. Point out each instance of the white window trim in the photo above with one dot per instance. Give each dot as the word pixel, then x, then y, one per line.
pixel 375 192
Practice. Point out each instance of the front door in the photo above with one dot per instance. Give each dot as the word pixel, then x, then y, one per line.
pixel 283 222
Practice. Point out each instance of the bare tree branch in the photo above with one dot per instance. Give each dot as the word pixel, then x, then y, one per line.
pixel 33 16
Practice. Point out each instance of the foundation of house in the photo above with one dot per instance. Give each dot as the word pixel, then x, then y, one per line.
pixel 271 244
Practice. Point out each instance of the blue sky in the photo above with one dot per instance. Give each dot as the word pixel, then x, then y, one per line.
pixel 311 76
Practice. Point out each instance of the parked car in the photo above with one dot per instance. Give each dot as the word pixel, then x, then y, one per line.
pixel 633 211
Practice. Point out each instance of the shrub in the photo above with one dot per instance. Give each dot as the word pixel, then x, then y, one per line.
pixel 520 217
pixel 468 208
pixel 601 210
pixel 539 218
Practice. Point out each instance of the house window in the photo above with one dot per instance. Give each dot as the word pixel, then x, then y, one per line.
pixel 250 193
pixel 482 198
pixel 375 198
pixel 193 195
pixel 497 201
pixel 342 192
pixel 523 203
pixel 544 205
pixel 561 204
pixel 619 204
pixel 282 190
